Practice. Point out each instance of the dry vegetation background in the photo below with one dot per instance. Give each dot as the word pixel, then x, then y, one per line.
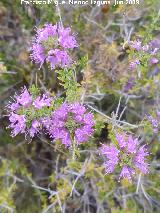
pixel 37 177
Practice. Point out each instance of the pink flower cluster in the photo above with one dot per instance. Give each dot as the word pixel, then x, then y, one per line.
pixel 17 112
pixel 155 122
pixel 70 122
pixel 128 155
pixel 52 44
pixel 67 123
pixel 151 48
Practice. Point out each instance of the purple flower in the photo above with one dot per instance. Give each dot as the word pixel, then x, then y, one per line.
pixel 67 40
pixel 22 114
pixel 121 140
pixel 111 154
pixel 153 60
pixel 128 155
pixel 127 172
pixel 139 160
pixel 13 106
pixel 48 30
pixel 132 144
pixel 134 64
pixel 24 99
pixel 136 45
pixel 151 49
pixel 82 133
pixel 78 109
pixel 58 58
pixel 155 43
pixel 17 124
pixel 42 101
pixel 52 44
pixel 34 128
pixel 154 123
pixel 70 121
pixel 46 122
pixel 38 54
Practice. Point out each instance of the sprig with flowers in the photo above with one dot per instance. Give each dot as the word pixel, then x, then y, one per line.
pixel 144 65
pixel 127 154
pixel 27 111
pixel 66 119
pixel 32 113
pixel 144 59
pixel 154 121
pixel 144 56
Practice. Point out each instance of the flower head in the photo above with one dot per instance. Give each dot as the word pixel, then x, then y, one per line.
pixel 153 60
pixel 127 172
pixel 52 44
pixel 24 98
pixel 34 129
pixel 22 114
pixel 111 154
pixel 40 102
pixel 136 45
pixel 66 39
pixel 17 124
pixel 71 121
pixel 48 30
pixel 134 64
pixel 38 54
pixel 150 52
pixel 155 43
pixel 154 122
pixel 139 160
pixel 58 58
pixel 128 155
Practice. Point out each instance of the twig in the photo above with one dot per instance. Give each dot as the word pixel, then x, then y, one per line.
pixel 138 184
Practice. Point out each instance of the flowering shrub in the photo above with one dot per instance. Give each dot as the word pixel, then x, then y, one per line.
pixel 92 140
pixel 70 123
